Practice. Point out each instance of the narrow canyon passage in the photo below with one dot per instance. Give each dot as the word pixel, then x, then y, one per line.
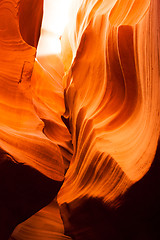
pixel 79 119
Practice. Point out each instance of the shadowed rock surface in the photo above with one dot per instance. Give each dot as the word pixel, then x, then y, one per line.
pixel 136 218
pixel 91 122
pixel 23 192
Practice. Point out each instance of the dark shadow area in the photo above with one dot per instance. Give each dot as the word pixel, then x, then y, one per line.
pixel 23 192
pixel 30 19
pixel 137 217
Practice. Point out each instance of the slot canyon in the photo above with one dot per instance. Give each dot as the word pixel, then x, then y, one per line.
pixel 79 120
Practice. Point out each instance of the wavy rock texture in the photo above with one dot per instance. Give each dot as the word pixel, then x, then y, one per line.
pixel 31 156
pixel 112 90
pixel 94 117
pixel 112 105
pixel 23 139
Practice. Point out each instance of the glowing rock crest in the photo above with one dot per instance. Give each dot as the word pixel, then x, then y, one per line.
pixel 112 90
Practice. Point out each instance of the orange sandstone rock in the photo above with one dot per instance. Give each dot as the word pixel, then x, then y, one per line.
pixel 112 97
pixel 21 129
pixel 106 92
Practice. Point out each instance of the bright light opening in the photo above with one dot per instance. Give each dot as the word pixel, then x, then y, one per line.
pixel 55 18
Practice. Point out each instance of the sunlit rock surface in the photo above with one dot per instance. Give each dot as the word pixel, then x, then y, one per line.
pixel 112 90
pixel 21 128
pixel 112 105
pixel 23 134
pixel 92 121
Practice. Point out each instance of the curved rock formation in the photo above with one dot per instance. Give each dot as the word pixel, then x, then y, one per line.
pixel 112 105
pixel 21 132
pixel 112 97
pixel 92 121
pixel 31 163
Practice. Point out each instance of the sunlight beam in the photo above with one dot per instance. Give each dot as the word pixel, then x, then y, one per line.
pixel 55 18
